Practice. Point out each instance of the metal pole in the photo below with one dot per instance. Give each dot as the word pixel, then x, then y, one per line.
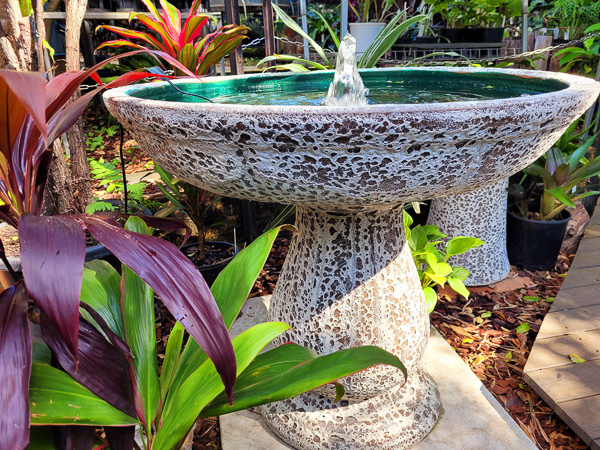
pixel 524 26
pixel 304 28
pixel 344 24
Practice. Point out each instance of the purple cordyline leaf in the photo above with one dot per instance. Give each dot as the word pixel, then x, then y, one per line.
pixel 120 438
pixel 110 334
pixel 102 368
pixel 75 437
pixel 52 256
pixel 180 286
pixel 15 368
pixel 160 223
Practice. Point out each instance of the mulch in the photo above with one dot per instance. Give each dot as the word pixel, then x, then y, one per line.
pixel 483 331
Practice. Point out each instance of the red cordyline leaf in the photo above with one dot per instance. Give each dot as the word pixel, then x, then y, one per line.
pixel 102 368
pixel 180 286
pixel 21 93
pixel 168 40
pixel 171 17
pixel 52 256
pixel 160 223
pixel 15 368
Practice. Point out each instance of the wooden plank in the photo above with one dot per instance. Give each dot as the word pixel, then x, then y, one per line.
pixel 582 416
pixel 570 321
pixel 236 58
pixel 269 29
pixel 588 254
pixel 561 384
pixel 582 277
pixel 577 297
pixel 552 352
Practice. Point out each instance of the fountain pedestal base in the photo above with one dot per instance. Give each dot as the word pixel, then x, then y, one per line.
pixel 350 280
pixel 395 420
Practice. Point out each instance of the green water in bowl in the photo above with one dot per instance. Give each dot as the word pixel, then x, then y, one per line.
pixel 385 86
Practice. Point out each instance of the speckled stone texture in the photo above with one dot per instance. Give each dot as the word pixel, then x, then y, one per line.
pixel 349 280
pixel 482 214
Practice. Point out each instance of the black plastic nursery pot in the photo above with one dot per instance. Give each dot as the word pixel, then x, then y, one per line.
pixel 534 244
pixel 211 271
pixel 493 35
pixel 453 35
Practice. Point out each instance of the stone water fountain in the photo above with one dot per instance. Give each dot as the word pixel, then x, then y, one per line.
pixel 349 278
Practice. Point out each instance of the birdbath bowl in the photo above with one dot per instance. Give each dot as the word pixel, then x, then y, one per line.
pixel 349 278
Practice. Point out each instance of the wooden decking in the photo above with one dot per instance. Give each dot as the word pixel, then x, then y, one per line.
pixel 573 326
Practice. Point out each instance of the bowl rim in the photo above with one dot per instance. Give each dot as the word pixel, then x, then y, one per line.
pixel 576 85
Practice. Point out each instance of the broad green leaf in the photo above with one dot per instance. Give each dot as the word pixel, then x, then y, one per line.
pixel 278 57
pixel 460 273
pixel 26 8
pixel 442 269
pixel 57 399
pixel 171 361
pixel 508 356
pixel 100 288
pixel 140 331
pixel 523 328
pixel 418 239
pixel 461 244
pixel 305 377
pixel 530 298
pixel 550 299
pixel 486 314
pixel 576 358
pixel 205 384
pixel 459 287
pixel 430 298
pixel 230 290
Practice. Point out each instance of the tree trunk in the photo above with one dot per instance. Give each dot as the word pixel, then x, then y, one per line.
pixel 80 172
pixel 58 198
pixel 16 42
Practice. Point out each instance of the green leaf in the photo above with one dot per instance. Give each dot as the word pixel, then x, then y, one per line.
pixel 291 23
pixel 459 287
pixel 140 330
pixel 461 244
pixel 304 377
pixel 57 399
pixel 340 391
pixel 530 298
pixel 523 328
pixel 508 356
pixel 559 193
pixel 171 361
pixel 430 298
pixel 100 288
pixel 387 38
pixel 576 358
pixel 230 290
pixel 26 8
pixel 550 299
pixel 460 273
pixel 486 314
pixel 205 384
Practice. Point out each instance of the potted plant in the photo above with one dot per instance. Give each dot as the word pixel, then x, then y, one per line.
pixel 395 28
pixel 184 43
pixel 371 19
pixel 534 237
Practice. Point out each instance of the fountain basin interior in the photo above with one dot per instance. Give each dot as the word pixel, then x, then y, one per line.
pixel 353 158
pixel 389 86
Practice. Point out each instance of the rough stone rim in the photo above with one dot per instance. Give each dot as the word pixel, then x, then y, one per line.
pixel 575 85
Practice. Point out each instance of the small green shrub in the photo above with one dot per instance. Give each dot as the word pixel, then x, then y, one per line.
pixel 432 262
